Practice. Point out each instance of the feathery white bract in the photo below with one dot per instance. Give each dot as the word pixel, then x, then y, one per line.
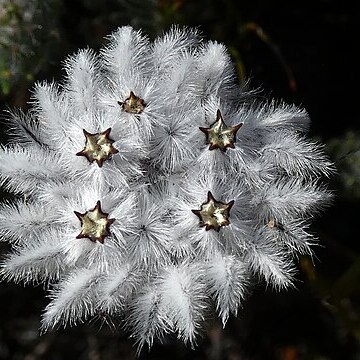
pixel 155 264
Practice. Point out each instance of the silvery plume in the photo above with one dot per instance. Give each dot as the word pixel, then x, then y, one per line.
pixel 152 187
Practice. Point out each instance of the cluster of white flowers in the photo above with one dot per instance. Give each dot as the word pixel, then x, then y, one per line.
pixel 150 186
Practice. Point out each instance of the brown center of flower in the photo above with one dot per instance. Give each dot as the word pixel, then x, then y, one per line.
pixel 98 147
pixel 95 224
pixel 214 214
pixel 219 135
pixel 133 104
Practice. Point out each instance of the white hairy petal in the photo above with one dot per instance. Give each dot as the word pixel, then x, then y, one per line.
pixel 228 281
pixel 24 170
pixel 72 300
pixel 34 263
pixel 147 319
pixel 183 299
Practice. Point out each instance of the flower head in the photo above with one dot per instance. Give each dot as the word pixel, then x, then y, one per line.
pixel 214 214
pixel 98 147
pixel 150 185
pixel 220 136
pixel 95 224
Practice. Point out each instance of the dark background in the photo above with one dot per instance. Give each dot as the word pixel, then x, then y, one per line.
pixel 298 51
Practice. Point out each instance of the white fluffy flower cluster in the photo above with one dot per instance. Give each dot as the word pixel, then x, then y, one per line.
pixel 151 187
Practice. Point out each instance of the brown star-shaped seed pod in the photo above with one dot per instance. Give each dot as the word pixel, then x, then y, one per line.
pixel 133 104
pixel 219 135
pixel 98 147
pixel 95 224
pixel 214 214
pixel 274 224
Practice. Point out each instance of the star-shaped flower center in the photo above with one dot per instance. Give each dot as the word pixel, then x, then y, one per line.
pixel 95 224
pixel 274 224
pixel 214 214
pixel 133 104
pixel 219 135
pixel 98 147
